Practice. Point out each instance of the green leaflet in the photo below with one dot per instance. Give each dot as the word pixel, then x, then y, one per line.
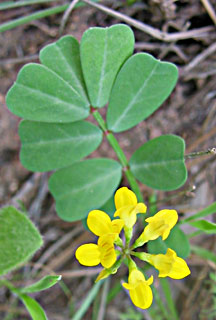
pixel 63 57
pixel 177 241
pixel 19 239
pixel 43 284
pixel 159 163
pixel 84 186
pixel 48 146
pixel 39 94
pixel 103 51
pixel 141 86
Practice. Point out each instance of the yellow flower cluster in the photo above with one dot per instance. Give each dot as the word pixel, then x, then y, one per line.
pixel 104 252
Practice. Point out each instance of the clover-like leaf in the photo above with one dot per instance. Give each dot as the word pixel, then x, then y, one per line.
pixel 40 94
pixel 48 146
pixel 84 186
pixel 103 51
pixel 140 88
pixel 63 57
pixel 159 163
pixel 19 239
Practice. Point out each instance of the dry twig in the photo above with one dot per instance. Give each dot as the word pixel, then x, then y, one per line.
pixel 155 33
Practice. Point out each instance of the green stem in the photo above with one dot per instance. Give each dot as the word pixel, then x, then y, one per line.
pixel 120 154
pixel 134 185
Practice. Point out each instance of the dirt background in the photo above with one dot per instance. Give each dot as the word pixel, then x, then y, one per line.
pixel 189 112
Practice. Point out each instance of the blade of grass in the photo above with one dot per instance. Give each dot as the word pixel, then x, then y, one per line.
pixel 37 15
pixel 168 295
pixel 201 214
pixel 87 302
pixel 34 16
pixel 102 308
pixel 204 253
pixel 12 4
pixel 113 292
pixel 160 304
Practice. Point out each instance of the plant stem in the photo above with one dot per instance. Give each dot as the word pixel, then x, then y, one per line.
pixel 120 154
pixel 211 151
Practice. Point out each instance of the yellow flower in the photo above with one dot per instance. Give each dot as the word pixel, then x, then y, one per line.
pixel 169 265
pixel 139 289
pixel 100 223
pixel 92 254
pixel 127 206
pixel 158 225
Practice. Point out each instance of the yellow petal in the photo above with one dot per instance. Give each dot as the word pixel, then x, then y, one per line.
pixel 107 240
pixel 179 269
pixel 128 215
pixel 154 230
pixel 150 281
pixel 135 277
pixel 125 197
pixel 128 286
pixel 169 217
pixel 117 225
pixel 88 254
pixel 140 208
pixel 142 296
pixel 169 265
pixel 108 257
pixel 99 222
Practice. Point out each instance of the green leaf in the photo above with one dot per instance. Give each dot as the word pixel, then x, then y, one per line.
pixel 48 146
pixel 63 57
pixel 33 307
pixel 19 239
pixel 141 86
pixel 39 94
pixel 43 284
pixel 204 253
pixel 84 186
pixel 204 225
pixel 103 51
pixel 201 214
pixel 159 163
pixel 177 241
